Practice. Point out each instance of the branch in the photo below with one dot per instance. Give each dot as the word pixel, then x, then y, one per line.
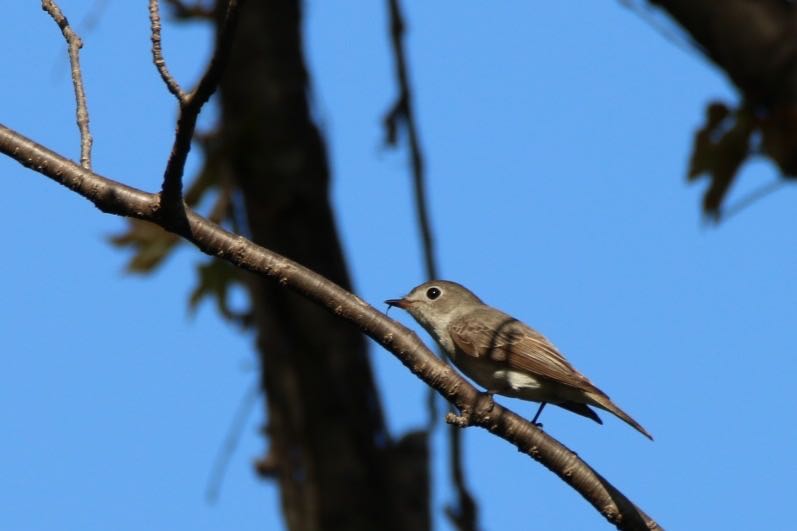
pixel 464 515
pixel 402 115
pixel 157 52
pixel 190 103
pixel 74 44
pixel 477 410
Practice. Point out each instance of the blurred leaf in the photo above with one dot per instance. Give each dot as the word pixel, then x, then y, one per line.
pixel 720 148
pixel 703 152
pixel 216 277
pixel 151 243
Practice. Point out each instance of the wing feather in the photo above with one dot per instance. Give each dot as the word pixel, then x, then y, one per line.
pixel 490 334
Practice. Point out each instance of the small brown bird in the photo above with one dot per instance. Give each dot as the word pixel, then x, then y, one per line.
pixel 502 354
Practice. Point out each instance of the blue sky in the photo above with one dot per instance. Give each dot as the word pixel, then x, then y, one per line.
pixel 557 137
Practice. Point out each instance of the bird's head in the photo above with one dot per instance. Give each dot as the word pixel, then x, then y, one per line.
pixel 435 303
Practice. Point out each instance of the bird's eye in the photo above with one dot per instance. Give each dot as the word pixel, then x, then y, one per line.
pixel 433 293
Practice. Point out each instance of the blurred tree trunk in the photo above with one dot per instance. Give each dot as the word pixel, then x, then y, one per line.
pixel 335 462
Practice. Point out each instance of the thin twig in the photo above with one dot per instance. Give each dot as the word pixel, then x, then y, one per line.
pixel 116 198
pixel 755 195
pixel 401 117
pixel 231 442
pixel 191 103
pixel 74 44
pixel 157 52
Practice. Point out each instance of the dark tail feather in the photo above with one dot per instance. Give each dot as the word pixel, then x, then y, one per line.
pixel 602 401
pixel 581 409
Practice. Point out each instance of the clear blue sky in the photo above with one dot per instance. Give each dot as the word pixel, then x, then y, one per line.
pixel 557 136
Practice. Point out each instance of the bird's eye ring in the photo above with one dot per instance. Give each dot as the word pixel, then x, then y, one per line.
pixel 433 293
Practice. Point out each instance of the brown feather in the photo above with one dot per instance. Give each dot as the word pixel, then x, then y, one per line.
pixel 488 333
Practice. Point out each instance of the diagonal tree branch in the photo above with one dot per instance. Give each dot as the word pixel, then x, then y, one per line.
pixel 477 410
pixel 74 44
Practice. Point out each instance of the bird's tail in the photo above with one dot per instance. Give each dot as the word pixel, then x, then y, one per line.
pixel 602 401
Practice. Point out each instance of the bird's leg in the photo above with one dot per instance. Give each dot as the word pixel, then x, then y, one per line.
pixel 537 415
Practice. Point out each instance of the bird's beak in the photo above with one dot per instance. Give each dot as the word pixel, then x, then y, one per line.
pixel 399 303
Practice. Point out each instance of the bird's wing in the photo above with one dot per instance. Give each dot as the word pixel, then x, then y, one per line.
pixel 490 334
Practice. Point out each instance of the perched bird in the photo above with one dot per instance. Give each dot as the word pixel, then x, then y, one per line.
pixel 502 354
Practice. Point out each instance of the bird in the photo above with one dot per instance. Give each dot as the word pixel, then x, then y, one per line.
pixel 502 354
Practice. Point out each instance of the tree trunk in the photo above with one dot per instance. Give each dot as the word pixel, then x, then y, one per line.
pixel 336 464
